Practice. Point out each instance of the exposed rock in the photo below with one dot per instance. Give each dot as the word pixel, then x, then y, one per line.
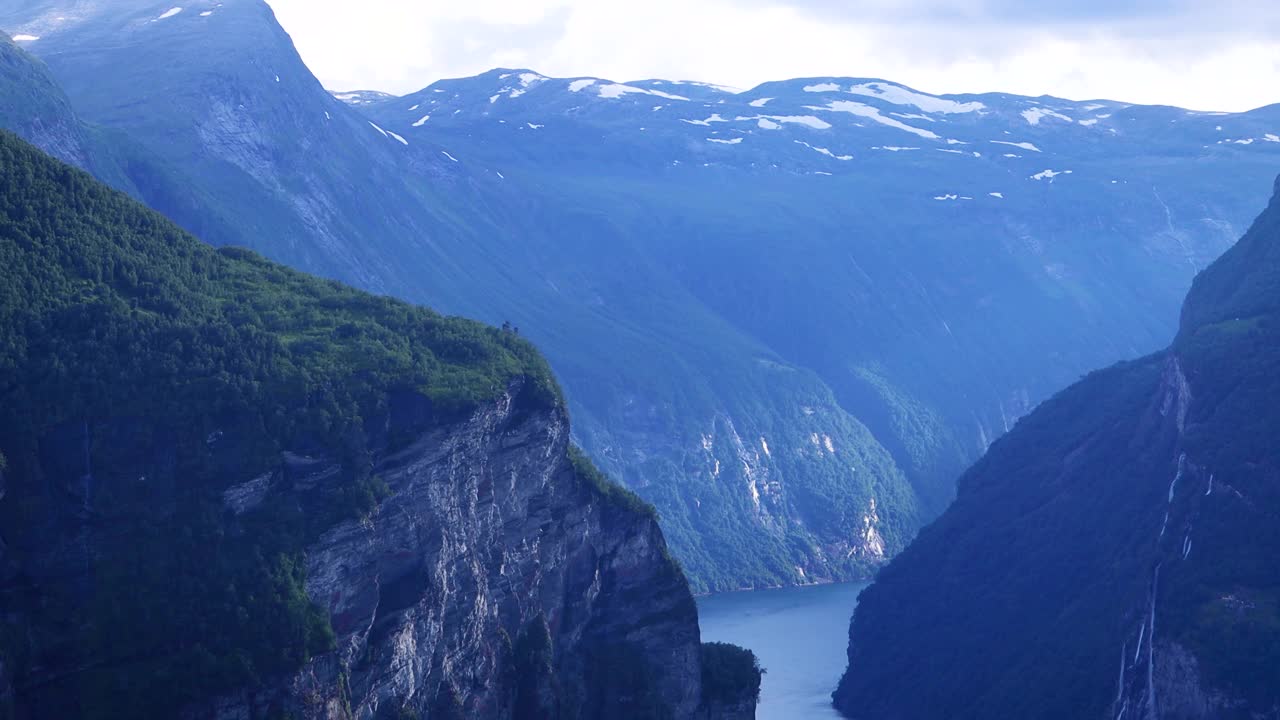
pixel 488 529
pixel 248 495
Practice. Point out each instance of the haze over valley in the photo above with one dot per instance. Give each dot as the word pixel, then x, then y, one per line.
pixel 827 329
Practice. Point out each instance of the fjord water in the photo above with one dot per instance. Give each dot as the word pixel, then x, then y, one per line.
pixel 799 634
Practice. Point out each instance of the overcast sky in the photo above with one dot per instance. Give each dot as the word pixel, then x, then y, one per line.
pixel 1218 55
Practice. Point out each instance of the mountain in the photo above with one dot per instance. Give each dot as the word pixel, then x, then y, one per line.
pixel 1115 554
pixel 228 489
pixel 788 317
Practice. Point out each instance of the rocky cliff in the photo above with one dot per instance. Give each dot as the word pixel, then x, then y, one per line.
pixel 489 532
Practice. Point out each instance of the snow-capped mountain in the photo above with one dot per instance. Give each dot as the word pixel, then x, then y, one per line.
pixel 824 125
pixel 787 316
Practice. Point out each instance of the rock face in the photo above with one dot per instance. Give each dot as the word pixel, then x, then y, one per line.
pixel 1114 555
pixel 489 538
pixel 489 532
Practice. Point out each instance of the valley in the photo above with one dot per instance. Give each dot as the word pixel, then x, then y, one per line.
pixel 793 371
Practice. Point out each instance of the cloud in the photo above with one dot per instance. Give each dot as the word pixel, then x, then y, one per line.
pixel 1222 55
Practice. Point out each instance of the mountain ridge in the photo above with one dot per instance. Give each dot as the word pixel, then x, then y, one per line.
pixel 763 87
pixel 763 361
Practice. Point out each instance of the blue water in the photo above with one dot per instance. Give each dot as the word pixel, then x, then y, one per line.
pixel 800 636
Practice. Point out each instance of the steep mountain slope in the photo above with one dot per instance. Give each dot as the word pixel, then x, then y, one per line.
pixel 228 489
pixel 33 105
pixel 765 278
pixel 680 390
pixel 1115 554
pixel 961 231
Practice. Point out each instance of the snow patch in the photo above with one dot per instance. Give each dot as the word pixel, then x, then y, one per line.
pixel 1036 114
pixel 706 123
pixel 771 122
pixel 997 195
pixel 892 148
pixel 388 134
pixel 761 102
pixel 422 121
pixel 866 111
pixel 1023 145
pixel 25 38
pixel 442 152
pixel 806 120
pixel 206 13
pixel 824 151
pixel 577 85
pixel 765 446
pixel 822 88
pixel 533 126
pixel 901 96
pixel 1089 123
pixel 1050 174
pixel 617 90
pixel 169 13
pixel 1271 137
pixel 712 86
pixel 734 141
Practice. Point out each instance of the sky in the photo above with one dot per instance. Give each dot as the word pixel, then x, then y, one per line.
pixel 1202 55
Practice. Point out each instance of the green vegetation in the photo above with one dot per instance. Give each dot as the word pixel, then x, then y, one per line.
pixel 730 674
pixel 612 493
pixel 143 373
